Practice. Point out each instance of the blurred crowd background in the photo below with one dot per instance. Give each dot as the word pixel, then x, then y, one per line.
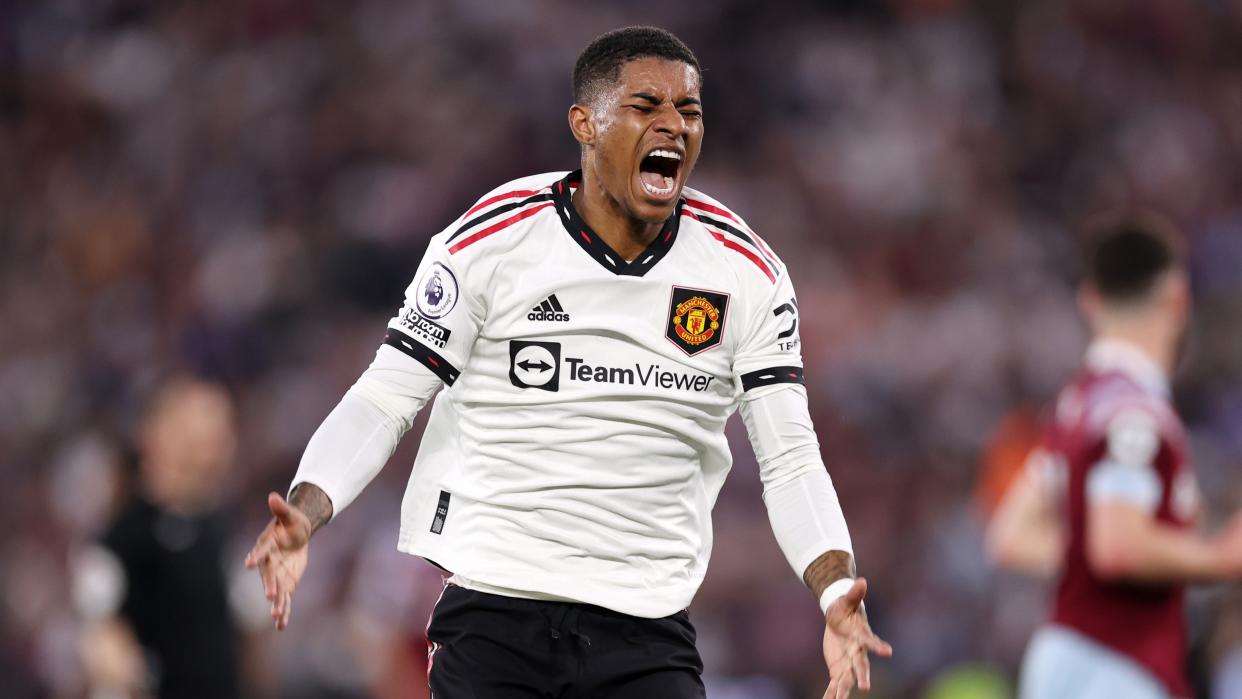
pixel 240 190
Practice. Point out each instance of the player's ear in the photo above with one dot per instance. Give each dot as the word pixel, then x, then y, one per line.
pixel 581 124
pixel 1175 296
pixel 1089 303
pixel 1176 289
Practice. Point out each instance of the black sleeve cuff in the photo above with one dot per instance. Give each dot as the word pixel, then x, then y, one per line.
pixel 772 375
pixel 437 364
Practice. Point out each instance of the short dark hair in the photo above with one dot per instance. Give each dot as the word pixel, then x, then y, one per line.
pixel 600 62
pixel 1125 260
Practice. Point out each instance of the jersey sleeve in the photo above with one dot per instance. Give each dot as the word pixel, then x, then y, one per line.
pixel 426 344
pixel 769 353
pixel 1127 470
pixel 361 433
pixel 440 319
pixel 802 503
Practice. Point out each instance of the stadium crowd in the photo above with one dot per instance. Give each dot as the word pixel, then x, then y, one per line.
pixel 241 190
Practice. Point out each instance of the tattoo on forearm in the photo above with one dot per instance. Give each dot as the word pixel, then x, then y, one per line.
pixel 313 502
pixel 827 569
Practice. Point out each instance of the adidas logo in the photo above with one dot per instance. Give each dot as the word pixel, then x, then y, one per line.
pixel 549 309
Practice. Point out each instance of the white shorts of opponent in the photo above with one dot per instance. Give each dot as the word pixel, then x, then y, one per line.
pixel 1064 664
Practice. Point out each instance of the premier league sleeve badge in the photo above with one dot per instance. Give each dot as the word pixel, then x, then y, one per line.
pixel 437 291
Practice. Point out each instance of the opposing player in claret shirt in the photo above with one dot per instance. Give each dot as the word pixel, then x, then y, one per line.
pixel 1109 502
pixel 593 331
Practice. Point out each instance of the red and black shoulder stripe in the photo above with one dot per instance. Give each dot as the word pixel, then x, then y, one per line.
pixel 496 213
pixel 729 229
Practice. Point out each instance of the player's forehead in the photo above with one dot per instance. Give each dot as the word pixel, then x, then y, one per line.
pixel 660 77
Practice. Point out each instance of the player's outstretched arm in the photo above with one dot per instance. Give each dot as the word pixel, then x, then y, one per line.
pixel 810 528
pixel 281 551
pixel 1025 534
pixel 347 451
pixel 848 638
pixel 1126 543
pixel 1125 540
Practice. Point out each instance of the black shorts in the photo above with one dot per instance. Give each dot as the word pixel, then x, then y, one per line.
pixel 485 646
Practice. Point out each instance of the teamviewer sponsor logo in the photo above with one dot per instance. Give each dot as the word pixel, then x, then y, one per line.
pixel 648 375
pixel 549 309
pixel 535 364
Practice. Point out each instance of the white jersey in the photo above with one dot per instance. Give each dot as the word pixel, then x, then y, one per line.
pixel 579 446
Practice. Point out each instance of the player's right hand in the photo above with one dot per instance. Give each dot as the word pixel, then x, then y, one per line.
pixel 280 554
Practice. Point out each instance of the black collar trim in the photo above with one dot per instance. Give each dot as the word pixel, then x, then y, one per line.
pixel 562 193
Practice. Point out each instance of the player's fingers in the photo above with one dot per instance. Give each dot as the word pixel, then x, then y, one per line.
pixel 286 608
pixel 835 672
pixel 876 645
pixel 285 580
pixel 262 549
pixel 267 574
pixel 862 669
pixel 845 685
pixel 279 574
pixel 280 595
pixel 841 677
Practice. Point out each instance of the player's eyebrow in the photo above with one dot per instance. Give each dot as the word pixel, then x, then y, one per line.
pixel 648 97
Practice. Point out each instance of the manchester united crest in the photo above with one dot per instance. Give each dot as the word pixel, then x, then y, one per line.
pixel 696 319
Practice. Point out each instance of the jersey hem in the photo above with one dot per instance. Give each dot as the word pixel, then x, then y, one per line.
pixel 551 588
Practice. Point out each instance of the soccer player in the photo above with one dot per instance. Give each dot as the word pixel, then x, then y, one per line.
pixel 1109 501
pixel 594 330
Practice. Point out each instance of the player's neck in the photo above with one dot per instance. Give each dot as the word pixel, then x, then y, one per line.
pixel 1154 339
pixel 627 236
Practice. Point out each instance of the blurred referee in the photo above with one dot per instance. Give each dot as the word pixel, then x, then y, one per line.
pixel 154 590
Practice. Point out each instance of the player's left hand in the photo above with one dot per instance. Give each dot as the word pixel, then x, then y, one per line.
pixel 847 641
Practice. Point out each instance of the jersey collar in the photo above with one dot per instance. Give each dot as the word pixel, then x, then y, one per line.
pixel 562 193
pixel 1111 354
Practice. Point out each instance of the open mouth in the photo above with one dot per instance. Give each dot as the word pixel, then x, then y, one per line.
pixel 658 172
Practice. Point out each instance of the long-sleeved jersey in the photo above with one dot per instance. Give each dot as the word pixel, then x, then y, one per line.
pixel 579 446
